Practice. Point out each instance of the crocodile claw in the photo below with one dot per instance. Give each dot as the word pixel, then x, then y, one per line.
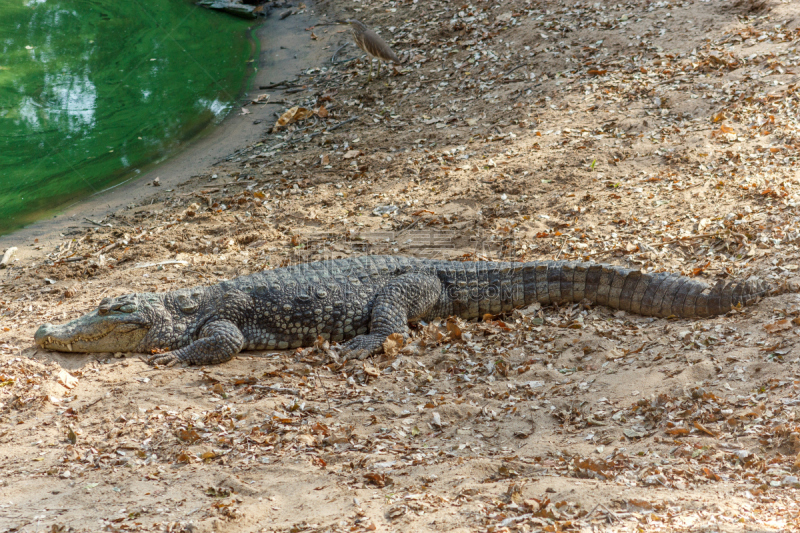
pixel 362 347
pixel 162 359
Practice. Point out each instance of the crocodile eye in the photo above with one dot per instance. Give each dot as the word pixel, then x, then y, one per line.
pixel 128 308
pixel 102 311
pixel 187 305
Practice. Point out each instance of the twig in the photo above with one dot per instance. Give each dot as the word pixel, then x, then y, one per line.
pixel 96 223
pixel 333 59
pixel 562 247
pixel 514 519
pixel 513 69
pixel 609 512
pixel 282 102
pixel 343 61
pixel 88 405
pixel 522 92
pixel 275 388
pixel 287 83
pixel 168 262
pixel 327 398
pixel 339 125
pixel 107 248
pixel 72 259
pixel 612 513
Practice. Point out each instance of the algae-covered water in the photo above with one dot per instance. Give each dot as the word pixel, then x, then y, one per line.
pixel 93 90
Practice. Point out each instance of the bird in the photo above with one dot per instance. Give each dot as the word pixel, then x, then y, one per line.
pixel 371 43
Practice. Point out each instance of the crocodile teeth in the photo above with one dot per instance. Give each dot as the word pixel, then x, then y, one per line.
pixel 69 346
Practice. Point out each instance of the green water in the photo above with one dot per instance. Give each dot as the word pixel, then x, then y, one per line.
pixel 91 91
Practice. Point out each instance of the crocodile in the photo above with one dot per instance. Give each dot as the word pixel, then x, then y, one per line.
pixel 360 301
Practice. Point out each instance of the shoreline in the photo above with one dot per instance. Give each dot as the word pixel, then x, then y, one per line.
pixel 197 157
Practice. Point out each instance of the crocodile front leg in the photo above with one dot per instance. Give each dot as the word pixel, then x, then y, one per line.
pixel 407 297
pixel 219 341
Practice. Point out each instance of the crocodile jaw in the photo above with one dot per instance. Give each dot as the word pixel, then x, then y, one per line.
pixel 93 333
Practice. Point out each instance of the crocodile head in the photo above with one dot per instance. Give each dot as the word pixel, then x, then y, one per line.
pixel 117 325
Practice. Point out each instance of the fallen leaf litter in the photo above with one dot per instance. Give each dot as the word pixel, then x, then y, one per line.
pixel 661 136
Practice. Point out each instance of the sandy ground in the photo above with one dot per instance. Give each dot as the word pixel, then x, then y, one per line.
pixel 656 135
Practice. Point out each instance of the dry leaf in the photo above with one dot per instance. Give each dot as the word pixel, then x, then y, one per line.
pixel 677 431
pixel 453 330
pixel 322 112
pixel 67 379
pixel 188 435
pixel 704 429
pixel 432 334
pixel 292 115
pixel 350 154
pixel 393 344
pixel 698 270
pixel 371 370
pixel 306 440
pixel 380 480
pixel 780 325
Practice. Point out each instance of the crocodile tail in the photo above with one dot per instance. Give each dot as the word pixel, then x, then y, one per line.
pixel 653 294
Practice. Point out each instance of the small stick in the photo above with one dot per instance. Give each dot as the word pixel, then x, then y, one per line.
pixel 513 69
pixel 327 397
pixel 610 512
pixel 96 223
pixel 349 59
pixel 282 102
pixel 88 405
pixel 275 388
pixel 333 59
pixel 562 247
pixel 287 83
pixel 72 259
pixel 107 248
pixel 339 125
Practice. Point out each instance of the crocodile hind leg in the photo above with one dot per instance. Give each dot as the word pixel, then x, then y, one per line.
pixel 408 297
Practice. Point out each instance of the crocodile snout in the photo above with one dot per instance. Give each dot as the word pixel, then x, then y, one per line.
pixel 42 333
